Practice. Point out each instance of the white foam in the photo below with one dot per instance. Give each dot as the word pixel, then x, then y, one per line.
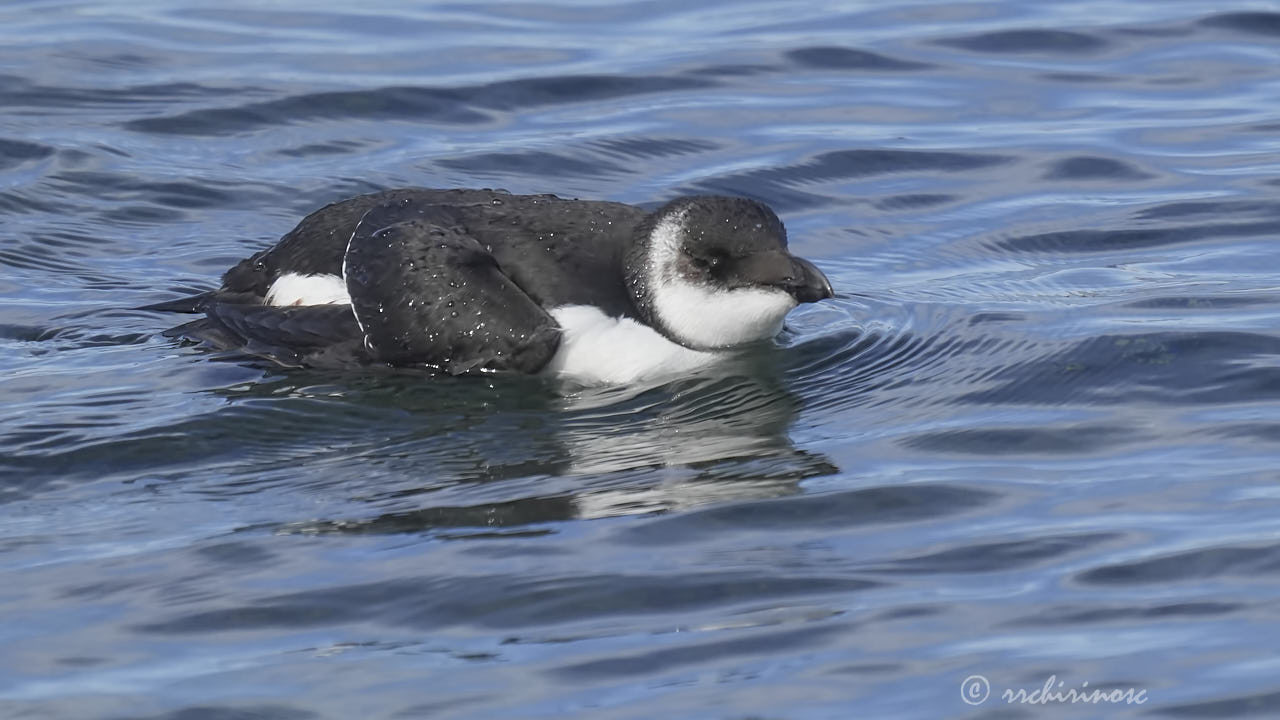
pixel 295 289
pixel 596 349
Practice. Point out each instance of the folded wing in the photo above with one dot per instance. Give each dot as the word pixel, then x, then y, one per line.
pixel 425 292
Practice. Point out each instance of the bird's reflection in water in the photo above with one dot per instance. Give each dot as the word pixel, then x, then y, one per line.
pixel 718 437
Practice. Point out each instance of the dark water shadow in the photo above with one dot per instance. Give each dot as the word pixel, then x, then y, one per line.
pixel 1084 241
pixel 1249 23
pixel 868 506
pixel 1166 368
pixel 20 93
pixel 995 556
pixel 845 58
pixel 1263 704
pixel 228 712
pixel 14 153
pixel 1087 615
pixel 464 105
pixel 1163 225
pixel 785 187
pixel 1028 41
pixel 636 666
pixel 1090 167
pixel 501 601
pixel 1044 441
pixel 1240 562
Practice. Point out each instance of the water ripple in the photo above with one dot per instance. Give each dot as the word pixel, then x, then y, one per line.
pixel 1032 41
pixel 455 105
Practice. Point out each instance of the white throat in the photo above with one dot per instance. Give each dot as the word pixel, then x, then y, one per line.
pixel 702 316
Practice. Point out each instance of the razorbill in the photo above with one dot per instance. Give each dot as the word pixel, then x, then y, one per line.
pixel 466 281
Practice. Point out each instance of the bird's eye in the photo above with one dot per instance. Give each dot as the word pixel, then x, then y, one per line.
pixel 706 262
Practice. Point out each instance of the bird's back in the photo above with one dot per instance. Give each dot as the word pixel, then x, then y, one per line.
pixel 560 252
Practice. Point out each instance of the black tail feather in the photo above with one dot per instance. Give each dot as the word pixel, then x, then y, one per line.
pixel 201 302
pixel 188 304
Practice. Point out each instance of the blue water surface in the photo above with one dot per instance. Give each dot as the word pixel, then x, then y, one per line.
pixel 1034 440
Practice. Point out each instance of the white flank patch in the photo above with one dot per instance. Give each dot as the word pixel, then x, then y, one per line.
pixel 703 316
pixel 596 349
pixel 295 289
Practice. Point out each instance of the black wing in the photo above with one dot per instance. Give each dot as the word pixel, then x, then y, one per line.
pixel 425 292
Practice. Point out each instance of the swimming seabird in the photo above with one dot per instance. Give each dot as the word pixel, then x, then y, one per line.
pixel 470 281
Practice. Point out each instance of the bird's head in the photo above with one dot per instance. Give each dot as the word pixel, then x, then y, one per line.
pixel 713 272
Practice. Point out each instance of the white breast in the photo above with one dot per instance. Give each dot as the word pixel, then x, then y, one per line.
pixel 596 349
